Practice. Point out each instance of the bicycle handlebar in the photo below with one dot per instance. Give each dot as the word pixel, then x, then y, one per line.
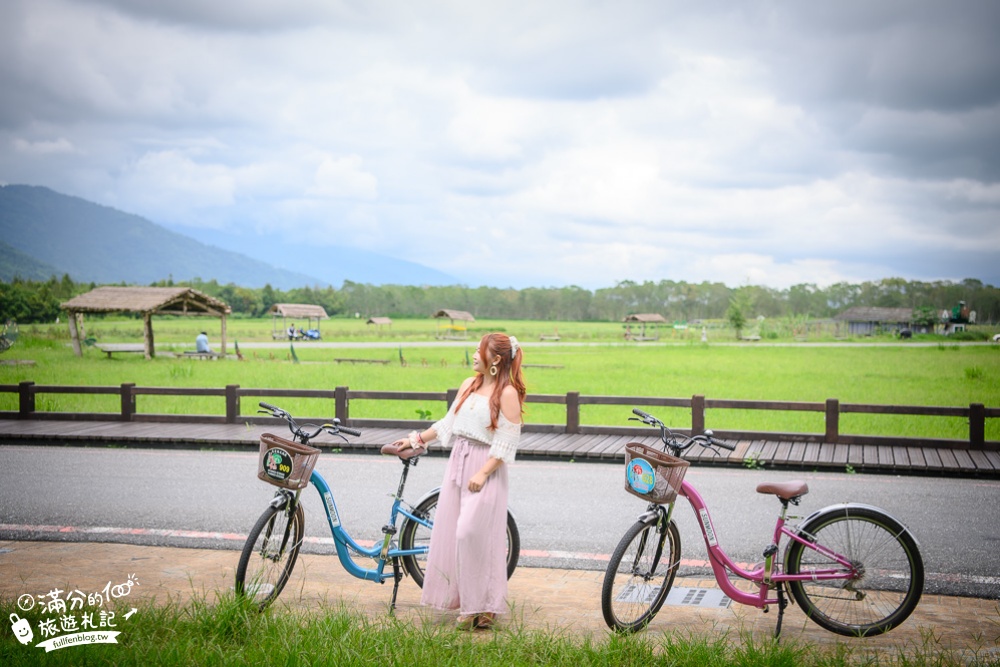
pixel 670 440
pixel 333 428
pixel 645 416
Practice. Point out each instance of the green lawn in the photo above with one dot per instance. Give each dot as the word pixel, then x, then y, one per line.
pixel 941 374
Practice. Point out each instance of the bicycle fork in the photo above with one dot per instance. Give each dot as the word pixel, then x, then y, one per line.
pixel 287 502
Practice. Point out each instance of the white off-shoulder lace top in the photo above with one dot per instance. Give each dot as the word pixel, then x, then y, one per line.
pixel 473 422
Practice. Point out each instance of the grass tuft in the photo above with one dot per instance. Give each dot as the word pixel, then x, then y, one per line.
pixel 231 632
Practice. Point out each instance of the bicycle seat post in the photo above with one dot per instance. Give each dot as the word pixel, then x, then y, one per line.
pixel 402 478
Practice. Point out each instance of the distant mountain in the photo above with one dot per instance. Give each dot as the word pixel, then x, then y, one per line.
pixel 16 264
pixel 45 233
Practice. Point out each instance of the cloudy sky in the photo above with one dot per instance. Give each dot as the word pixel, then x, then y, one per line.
pixel 517 143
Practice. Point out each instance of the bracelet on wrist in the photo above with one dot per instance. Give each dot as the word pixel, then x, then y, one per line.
pixel 416 440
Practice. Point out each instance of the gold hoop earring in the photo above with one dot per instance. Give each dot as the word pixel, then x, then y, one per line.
pixel 493 370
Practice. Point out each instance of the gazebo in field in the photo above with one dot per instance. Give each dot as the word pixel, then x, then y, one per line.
pixel 148 301
pixel 642 319
pixel 454 330
pixel 295 311
pixel 379 322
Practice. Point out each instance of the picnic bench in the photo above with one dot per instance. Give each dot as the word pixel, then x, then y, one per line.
pixel 121 348
pixel 203 355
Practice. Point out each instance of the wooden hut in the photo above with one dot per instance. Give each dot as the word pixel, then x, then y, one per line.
pixel 865 321
pixel 455 329
pixel 295 311
pixel 642 319
pixel 148 301
pixel 379 322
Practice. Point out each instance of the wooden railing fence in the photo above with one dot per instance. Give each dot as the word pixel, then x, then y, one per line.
pixel 341 397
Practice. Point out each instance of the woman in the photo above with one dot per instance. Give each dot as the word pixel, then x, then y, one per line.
pixel 466 564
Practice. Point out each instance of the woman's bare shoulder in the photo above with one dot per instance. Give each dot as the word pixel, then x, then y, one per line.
pixel 510 404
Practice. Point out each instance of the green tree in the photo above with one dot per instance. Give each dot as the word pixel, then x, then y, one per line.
pixel 739 309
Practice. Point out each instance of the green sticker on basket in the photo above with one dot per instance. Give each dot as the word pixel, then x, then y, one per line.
pixel 640 475
pixel 277 464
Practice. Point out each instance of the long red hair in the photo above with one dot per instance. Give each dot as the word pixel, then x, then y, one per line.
pixel 508 373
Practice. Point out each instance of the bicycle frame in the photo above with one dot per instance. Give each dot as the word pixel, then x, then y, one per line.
pixel 721 562
pixel 382 553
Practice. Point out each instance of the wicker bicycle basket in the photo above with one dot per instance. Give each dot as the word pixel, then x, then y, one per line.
pixel 653 475
pixel 285 463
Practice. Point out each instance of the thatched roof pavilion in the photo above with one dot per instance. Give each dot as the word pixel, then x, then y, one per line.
pixel 643 319
pixel 295 311
pixel 146 300
pixel 452 330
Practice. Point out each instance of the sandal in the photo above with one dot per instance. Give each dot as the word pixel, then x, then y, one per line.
pixel 485 621
pixel 467 622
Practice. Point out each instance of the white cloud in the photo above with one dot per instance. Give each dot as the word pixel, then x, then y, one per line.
pixel 344 178
pixel 530 144
pixel 44 147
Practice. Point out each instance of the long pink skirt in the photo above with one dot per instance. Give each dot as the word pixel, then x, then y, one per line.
pixel 467 561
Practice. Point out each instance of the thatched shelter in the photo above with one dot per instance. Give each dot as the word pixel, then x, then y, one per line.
pixel 295 311
pixel 643 319
pixel 380 321
pixel 452 330
pixel 148 301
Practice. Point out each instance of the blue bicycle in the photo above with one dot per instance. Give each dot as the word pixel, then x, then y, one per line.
pixel 273 544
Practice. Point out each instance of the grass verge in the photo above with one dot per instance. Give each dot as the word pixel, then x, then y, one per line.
pixel 230 632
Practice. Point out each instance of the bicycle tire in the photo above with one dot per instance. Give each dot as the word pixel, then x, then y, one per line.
pixel 639 575
pixel 415 534
pixel 269 555
pixel 892 572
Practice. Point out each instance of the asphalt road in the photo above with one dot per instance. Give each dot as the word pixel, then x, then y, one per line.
pixel 570 515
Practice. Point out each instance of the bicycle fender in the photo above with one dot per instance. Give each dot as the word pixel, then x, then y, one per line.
pixel 433 492
pixel 280 500
pixel 848 506
pixel 651 516
pixel 648 518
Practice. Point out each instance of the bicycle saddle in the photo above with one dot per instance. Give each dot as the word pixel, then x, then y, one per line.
pixel 405 455
pixel 784 490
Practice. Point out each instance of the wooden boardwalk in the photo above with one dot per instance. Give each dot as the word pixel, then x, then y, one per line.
pixel 772 455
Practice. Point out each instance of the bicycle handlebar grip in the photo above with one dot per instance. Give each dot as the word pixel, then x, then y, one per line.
pixel 719 443
pixel 640 413
pixel 268 406
pixel 349 431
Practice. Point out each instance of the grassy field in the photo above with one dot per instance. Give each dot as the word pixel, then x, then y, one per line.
pixel 229 633
pixel 182 330
pixel 939 374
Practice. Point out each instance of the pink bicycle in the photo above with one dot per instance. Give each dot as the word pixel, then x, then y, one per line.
pixel 852 568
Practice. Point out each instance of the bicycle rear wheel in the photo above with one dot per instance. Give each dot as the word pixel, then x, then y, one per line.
pixel 890 572
pixel 640 574
pixel 269 554
pixel 415 535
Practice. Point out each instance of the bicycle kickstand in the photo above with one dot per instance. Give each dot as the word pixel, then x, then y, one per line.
pixel 397 576
pixel 782 603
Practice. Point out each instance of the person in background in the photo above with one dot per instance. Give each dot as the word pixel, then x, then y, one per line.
pixel 201 343
pixel 467 559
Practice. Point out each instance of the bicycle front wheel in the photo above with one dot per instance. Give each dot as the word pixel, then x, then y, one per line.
pixel 415 535
pixel 640 574
pixel 889 572
pixel 269 554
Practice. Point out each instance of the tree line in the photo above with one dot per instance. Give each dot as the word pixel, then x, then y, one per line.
pixel 28 301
